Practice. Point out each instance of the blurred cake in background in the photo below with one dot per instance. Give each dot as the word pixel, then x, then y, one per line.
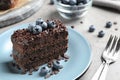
pixel 7 4
pixel 10 4
pixel 12 11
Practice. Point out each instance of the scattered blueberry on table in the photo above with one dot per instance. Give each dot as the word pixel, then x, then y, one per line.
pixel 72 27
pixel 115 23
pixel 116 29
pixel 109 24
pixel 51 2
pixel 101 34
pixel 81 22
pixel 91 28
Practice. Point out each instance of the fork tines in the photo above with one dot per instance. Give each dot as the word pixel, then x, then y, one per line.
pixel 109 41
pixel 118 45
pixel 113 44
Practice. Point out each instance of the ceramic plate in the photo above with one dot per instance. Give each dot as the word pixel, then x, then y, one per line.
pixel 78 49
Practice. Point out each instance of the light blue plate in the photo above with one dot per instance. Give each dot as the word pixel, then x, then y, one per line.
pixel 79 51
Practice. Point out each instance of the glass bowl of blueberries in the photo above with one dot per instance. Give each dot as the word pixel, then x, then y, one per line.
pixel 72 9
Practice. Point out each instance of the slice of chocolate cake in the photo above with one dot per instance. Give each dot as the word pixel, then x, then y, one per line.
pixel 39 44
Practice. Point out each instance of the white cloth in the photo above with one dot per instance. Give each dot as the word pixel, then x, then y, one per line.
pixel 115 4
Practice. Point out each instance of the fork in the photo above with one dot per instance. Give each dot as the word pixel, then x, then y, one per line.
pixel 109 56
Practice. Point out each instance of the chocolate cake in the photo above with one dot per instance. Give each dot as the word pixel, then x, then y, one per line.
pixel 7 4
pixel 35 47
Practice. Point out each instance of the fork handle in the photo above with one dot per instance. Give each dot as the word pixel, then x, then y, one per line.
pixel 98 73
pixel 104 72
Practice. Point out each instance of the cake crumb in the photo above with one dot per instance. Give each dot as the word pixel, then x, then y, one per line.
pixel 18 67
pixel 11 55
pixel 66 60
pixel 30 72
pixel 66 56
pixel 56 72
pixel 52 73
pixel 13 64
pixel 47 76
pixel 23 72
pixel 50 64
pixel 60 58
pixel 36 68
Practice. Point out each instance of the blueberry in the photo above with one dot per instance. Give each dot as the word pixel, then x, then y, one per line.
pixel 108 24
pixel 101 34
pixel 72 2
pixel 37 29
pixel 91 28
pixel 65 1
pixel 51 2
pixel 57 65
pixel 39 21
pixel 79 1
pixel 85 1
pixel 51 24
pixel 44 25
pixel 30 27
pixel 44 71
pixel 82 1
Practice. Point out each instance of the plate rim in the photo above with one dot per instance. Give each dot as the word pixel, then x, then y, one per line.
pixel 89 45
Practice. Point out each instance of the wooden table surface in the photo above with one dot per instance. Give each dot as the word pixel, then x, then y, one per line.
pixel 97 17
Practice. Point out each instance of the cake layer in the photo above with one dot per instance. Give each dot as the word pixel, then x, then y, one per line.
pixel 33 47
pixel 27 63
pixel 48 48
pixel 43 41
pixel 44 37
pixel 40 53
pixel 35 57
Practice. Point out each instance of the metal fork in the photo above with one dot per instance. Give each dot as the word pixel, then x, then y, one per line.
pixel 109 56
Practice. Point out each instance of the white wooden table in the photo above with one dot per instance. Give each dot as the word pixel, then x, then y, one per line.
pixel 96 16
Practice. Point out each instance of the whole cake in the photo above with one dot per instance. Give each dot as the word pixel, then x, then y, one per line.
pixel 39 44
pixel 7 4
